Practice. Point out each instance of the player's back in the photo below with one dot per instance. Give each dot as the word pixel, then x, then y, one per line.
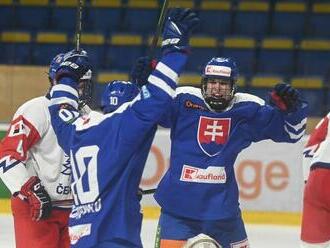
pixel 106 199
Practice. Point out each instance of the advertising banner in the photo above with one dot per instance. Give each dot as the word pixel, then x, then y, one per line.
pixel 269 174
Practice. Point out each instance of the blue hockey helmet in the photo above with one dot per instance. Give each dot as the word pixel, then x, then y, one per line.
pixel 85 88
pixel 116 93
pixel 223 70
pixel 54 65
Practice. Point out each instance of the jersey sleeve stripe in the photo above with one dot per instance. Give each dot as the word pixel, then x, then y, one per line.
pixel 162 85
pixel 293 135
pixel 61 94
pixel 64 100
pixel 65 88
pixel 298 126
pixel 164 69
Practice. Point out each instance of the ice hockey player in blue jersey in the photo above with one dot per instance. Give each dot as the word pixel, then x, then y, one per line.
pixel 106 211
pixel 116 93
pixel 209 128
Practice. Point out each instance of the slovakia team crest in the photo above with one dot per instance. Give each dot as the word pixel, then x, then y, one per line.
pixel 212 134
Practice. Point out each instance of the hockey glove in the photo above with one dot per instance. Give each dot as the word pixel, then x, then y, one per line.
pixel 178 26
pixel 74 66
pixel 38 199
pixel 142 69
pixel 285 97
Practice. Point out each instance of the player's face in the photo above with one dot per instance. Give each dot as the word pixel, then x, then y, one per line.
pixel 219 88
pixel 83 84
pixel 81 87
pixel 84 91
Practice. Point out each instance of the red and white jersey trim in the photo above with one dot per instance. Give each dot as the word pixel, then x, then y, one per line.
pixel 317 147
pixel 21 136
pixel 30 148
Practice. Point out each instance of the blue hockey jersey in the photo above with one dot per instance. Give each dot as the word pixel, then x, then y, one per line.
pixel 108 153
pixel 200 183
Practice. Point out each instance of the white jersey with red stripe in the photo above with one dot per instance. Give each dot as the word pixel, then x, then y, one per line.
pixel 318 146
pixel 30 148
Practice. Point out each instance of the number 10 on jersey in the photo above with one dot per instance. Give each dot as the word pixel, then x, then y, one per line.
pixel 85 187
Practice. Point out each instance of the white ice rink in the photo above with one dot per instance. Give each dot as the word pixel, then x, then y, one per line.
pixel 260 236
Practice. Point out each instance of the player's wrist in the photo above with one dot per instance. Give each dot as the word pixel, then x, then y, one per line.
pixel 175 60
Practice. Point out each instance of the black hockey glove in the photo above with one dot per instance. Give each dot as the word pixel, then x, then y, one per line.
pixel 74 66
pixel 38 199
pixel 285 97
pixel 178 26
pixel 142 70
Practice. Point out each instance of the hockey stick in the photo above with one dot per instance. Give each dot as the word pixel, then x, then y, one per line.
pixel 60 203
pixel 79 23
pixel 151 54
pixel 155 38
pixel 148 191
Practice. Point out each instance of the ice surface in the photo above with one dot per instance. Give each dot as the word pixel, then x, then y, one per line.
pixel 260 236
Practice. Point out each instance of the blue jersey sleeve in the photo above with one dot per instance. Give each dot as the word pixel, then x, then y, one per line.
pixel 64 111
pixel 62 118
pixel 154 101
pixel 160 91
pixel 169 117
pixel 136 117
pixel 272 123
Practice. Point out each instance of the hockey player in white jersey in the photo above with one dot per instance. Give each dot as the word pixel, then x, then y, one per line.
pixel 315 228
pixel 106 211
pixel 37 172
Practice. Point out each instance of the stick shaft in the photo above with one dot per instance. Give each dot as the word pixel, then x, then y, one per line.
pixel 79 23
pixel 148 191
pixel 160 23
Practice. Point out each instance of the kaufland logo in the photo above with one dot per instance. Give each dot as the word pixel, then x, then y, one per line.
pixel 212 174
pixel 217 70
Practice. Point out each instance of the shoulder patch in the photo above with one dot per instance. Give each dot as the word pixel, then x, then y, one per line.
pixel 189 90
pixel 245 97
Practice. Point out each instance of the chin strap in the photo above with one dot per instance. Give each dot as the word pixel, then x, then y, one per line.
pixel 217 105
pixel 211 102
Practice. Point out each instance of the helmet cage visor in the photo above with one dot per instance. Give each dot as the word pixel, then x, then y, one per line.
pixel 85 89
pixel 218 92
pixel 218 88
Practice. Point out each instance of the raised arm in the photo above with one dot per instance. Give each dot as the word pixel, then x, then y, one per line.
pixel 284 119
pixel 64 96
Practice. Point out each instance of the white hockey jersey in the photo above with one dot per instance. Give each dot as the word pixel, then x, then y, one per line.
pixel 316 151
pixel 30 148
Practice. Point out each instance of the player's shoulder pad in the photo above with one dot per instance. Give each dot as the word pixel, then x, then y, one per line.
pixel 95 118
pixel 36 112
pixel 34 108
pixel 245 97
pixel 189 90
